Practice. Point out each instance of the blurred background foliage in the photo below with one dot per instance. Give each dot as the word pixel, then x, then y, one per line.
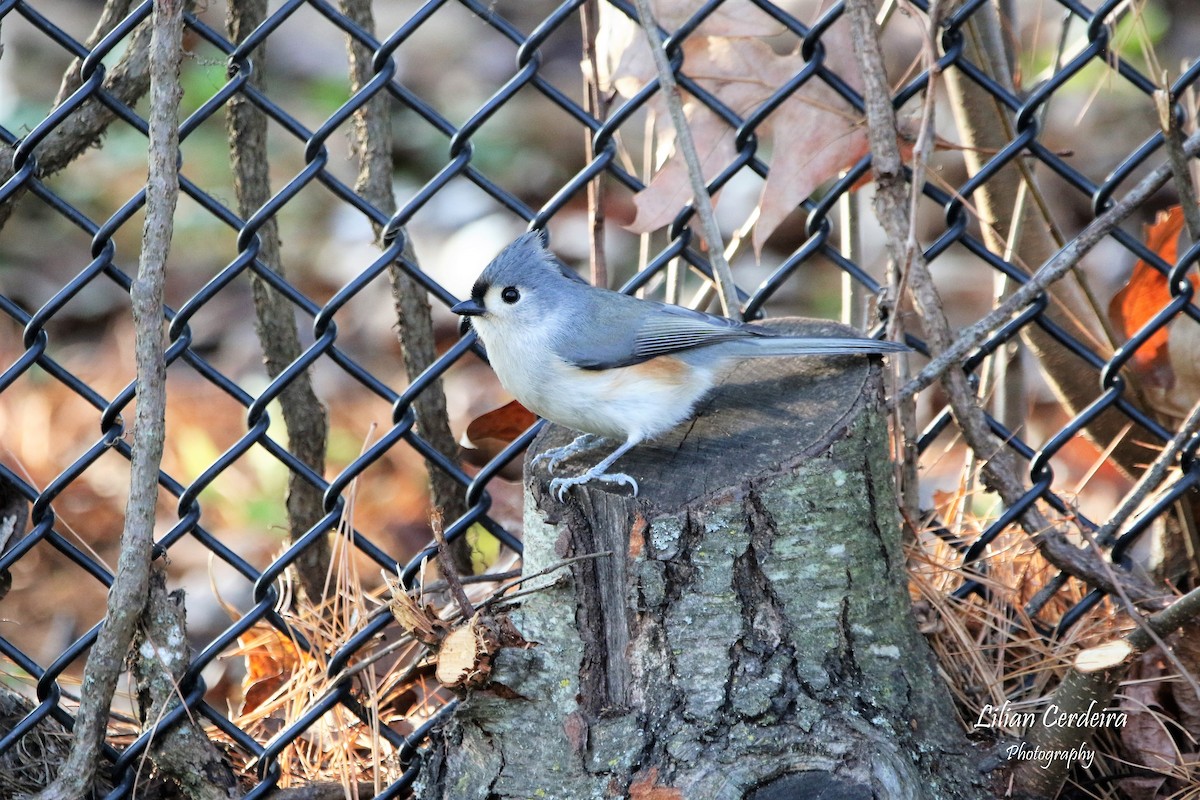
pixel 455 62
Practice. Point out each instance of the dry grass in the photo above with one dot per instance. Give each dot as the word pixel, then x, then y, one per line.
pixel 991 651
pixel 392 682
pixel 284 681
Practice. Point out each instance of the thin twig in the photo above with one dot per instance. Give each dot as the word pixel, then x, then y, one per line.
pixel 126 81
pixel 906 413
pixel 1182 175
pixel 926 134
pixel 113 12
pixel 1000 471
pixel 378 655
pixel 131 583
pixel 1061 264
pixel 1153 476
pixel 488 577
pixel 687 146
pixel 596 103
pixel 449 570
pixel 507 600
pixel 499 593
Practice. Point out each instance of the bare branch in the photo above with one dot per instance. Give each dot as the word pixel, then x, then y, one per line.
pixel 687 146
pixel 1060 264
pixel 113 12
pixel 1025 233
pixel 1091 682
pixel 275 316
pixel 372 143
pixel 183 754
pixel 127 81
pixel 131 583
pixel 1000 471
pixel 1173 137
pixel 1149 480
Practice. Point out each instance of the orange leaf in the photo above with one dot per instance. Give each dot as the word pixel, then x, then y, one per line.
pixel 645 786
pixel 1147 293
pixel 267 653
pixel 505 423
pixel 271 660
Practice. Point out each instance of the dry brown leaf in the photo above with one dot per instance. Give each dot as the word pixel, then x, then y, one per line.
pixel 670 189
pixel 418 618
pixel 1145 736
pixel 502 424
pixel 813 134
pixel 731 18
pixel 624 60
pixel 488 434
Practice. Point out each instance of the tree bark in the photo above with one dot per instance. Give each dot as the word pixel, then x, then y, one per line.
pixel 304 416
pixel 751 636
pixel 182 756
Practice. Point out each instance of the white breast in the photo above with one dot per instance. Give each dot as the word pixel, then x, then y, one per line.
pixel 639 401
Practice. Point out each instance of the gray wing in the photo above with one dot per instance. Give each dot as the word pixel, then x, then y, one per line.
pixel 630 331
pixel 676 328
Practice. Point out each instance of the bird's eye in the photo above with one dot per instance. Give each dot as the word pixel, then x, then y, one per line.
pixel 510 295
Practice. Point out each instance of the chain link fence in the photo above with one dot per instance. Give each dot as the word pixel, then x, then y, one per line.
pixel 490 123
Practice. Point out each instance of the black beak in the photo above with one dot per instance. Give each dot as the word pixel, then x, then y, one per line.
pixel 468 308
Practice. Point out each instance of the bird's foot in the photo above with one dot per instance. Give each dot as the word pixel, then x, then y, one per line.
pixel 556 455
pixel 559 486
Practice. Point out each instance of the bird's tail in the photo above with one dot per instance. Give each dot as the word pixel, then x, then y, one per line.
pixel 815 346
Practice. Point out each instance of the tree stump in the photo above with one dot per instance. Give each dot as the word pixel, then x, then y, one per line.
pixel 751 634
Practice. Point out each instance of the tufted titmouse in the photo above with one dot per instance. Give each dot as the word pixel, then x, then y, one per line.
pixel 605 363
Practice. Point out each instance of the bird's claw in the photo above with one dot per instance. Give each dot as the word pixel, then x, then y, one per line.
pixel 556 455
pixel 559 486
pixel 552 458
